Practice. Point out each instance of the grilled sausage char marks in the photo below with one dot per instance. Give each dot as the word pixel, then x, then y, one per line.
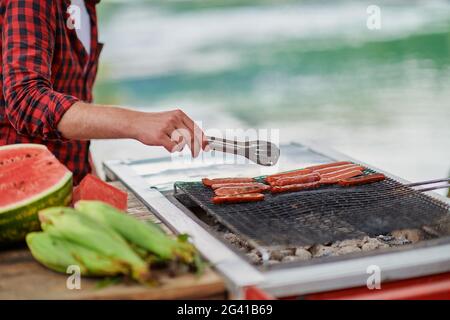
pixel 322 168
pixel 356 181
pixel 337 168
pixel 338 173
pixel 329 173
pixel 295 187
pixel 272 178
pixel 229 191
pixel 307 178
pixel 328 165
pixel 240 184
pixel 251 197
pixel 209 182
pixel 332 179
pixel 235 190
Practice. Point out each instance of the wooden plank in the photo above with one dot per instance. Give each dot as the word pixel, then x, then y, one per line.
pixel 21 277
pixel 138 210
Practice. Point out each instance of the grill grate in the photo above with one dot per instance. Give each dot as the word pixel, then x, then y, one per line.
pixel 323 215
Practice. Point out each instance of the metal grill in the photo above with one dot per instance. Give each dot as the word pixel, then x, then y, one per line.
pixel 323 215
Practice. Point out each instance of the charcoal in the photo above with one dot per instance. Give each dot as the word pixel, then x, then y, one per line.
pixel 303 254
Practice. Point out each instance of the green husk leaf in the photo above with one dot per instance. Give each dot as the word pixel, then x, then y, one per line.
pixel 107 282
pixel 68 224
pixel 183 237
pixel 145 235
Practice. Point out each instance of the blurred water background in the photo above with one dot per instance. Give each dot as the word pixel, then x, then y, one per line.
pixel 310 68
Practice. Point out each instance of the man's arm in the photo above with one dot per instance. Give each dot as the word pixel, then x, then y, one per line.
pixel 171 129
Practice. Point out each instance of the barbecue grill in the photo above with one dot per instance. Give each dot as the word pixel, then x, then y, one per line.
pixel 322 215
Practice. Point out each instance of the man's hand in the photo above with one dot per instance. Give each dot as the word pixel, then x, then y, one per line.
pixel 170 129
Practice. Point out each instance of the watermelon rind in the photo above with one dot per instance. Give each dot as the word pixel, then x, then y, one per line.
pixel 23 146
pixel 20 218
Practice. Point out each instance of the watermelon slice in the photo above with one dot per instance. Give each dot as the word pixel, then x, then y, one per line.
pixel 31 179
pixel 93 188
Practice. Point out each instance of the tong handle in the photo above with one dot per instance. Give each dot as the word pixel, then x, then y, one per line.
pixel 422 183
pixel 226 142
pixel 442 186
pixel 427 182
pixel 264 153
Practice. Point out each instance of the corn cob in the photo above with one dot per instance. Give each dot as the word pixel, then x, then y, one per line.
pixel 66 223
pixel 57 254
pixel 146 235
pixel 50 253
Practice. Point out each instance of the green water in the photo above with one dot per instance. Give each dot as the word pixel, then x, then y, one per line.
pixel 311 69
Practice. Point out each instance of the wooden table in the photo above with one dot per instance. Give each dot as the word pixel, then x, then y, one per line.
pixel 21 277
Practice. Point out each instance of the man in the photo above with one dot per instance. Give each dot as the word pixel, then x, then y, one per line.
pixel 47 74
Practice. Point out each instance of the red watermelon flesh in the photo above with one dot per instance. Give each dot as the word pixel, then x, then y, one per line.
pixel 26 171
pixel 31 179
pixel 93 188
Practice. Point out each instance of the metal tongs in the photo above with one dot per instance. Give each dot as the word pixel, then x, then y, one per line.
pixel 264 153
pixel 415 184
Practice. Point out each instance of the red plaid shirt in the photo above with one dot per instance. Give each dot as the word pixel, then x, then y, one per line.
pixel 45 70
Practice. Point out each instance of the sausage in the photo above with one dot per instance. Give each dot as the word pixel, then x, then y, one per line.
pixel 295 187
pixel 370 178
pixel 336 178
pixel 296 179
pixel 209 182
pixel 327 165
pixel 240 184
pixel 274 177
pixel 337 168
pixel 228 191
pixel 306 170
pixel 340 172
pixel 251 197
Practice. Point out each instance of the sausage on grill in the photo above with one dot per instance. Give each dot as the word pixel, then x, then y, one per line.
pixel 240 184
pixel 327 165
pixel 296 179
pixel 336 178
pixel 209 182
pixel 337 168
pixel 370 178
pixel 228 191
pixel 295 187
pixel 274 177
pixel 341 172
pixel 251 197
pixel 270 179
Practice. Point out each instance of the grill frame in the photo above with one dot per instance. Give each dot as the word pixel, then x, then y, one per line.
pixel 425 258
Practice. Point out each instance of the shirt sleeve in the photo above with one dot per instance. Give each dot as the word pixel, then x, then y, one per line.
pixel 28 41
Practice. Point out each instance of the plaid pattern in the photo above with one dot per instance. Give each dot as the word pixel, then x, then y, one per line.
pixel 45 70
